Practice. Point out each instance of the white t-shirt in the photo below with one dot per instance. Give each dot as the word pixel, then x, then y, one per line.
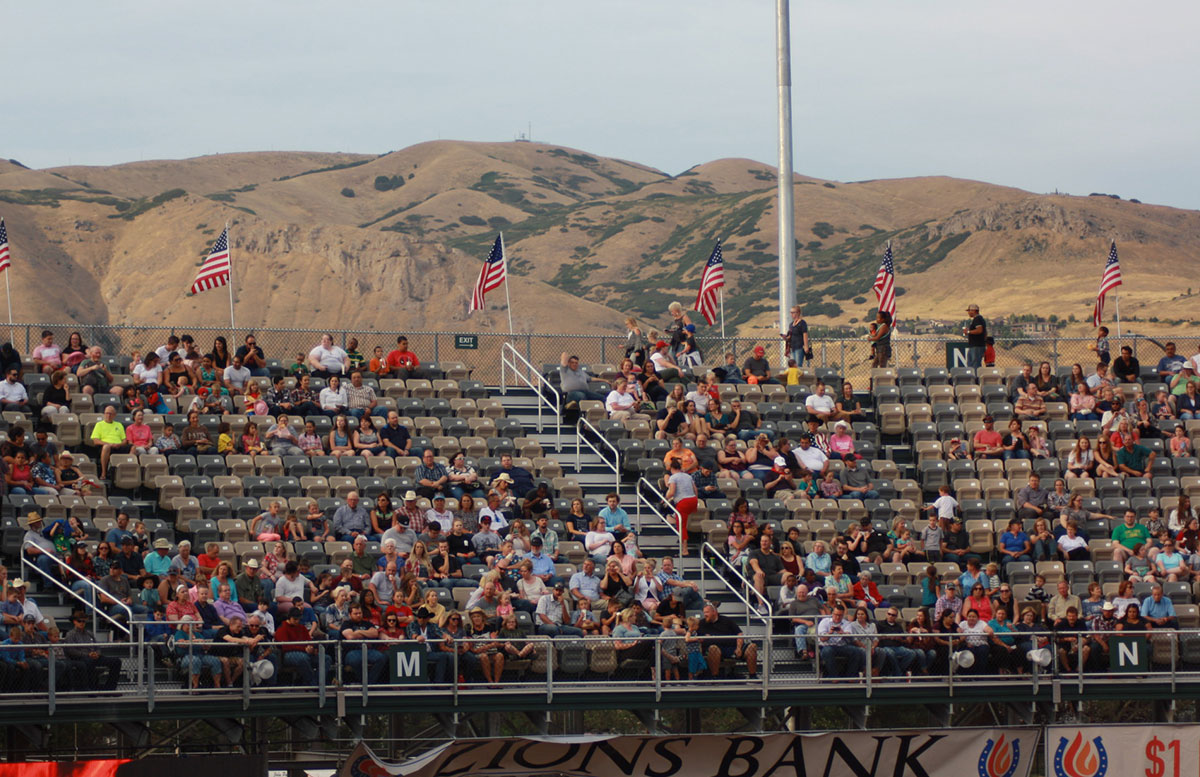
pixel 701 400
pixel 289 589
pixel 618 401
pixel 498 519
pixel 237 377
pixel 812 458
pixel 1067 543
pixel 147 374
pixel 819 403
pixel 332 359
pixel 164 353
pixel 13 392
pixel 658 359
pixel 945 506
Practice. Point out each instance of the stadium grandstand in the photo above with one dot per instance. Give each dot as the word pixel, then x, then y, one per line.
pixel 327 530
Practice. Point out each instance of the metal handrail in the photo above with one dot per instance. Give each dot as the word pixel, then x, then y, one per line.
pixel 615 464
pixel 96 590
pixel 662 499
pixel 751 609
pixel 511 359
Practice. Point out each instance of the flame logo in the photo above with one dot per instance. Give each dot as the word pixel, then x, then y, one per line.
pixel 999 758
pixel 366 766
pixel 1081 758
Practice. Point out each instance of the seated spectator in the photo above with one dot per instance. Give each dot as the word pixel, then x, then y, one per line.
pixel 402 363
pixel 621 403
pixel 856 479
pixel 56 400
pixel 194 438
pixel 1125 368
pixel 252 357
pixel 1158 610
pixel 333 398
pixel 821 405
pixel 366 439
pixel 361 398
pixel 1030 405
pixel 574 381
pixel 1187 403
pixel 1135 460
pixel 351 520
pixel 109 434
pixel 835 645
pixel 664 369
pixel 93 374
pixel 987 442
pixel 326 359
pixel 756 369
pixel 521 479
pixel 357 629
pixel 281 440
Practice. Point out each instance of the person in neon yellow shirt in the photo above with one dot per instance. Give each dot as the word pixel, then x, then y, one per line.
pixel 109 434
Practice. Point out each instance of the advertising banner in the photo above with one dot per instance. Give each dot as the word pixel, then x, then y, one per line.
pixel 980 752
pixel 1160 750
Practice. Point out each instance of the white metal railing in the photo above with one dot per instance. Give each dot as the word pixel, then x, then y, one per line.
pixel 548 397
pixel 763 610
pixel 583 426
pixel 643 486
pixel 96 591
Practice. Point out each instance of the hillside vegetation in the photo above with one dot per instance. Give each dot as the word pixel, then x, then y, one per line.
pixel 395 241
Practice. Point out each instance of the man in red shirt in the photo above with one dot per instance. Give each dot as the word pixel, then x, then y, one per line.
pixel 297 650
pixel 402 362
pixel 987 443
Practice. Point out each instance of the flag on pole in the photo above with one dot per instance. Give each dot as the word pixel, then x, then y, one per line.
pixel 1110 280
pixel 4 262
pixel 885 283
pixel 491 276
pixel 712 280
pixel 215 270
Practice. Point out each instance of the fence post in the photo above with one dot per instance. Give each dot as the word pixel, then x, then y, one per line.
pixel 436 348
pixel 604 349
pixel 914 342
pixel 1054 353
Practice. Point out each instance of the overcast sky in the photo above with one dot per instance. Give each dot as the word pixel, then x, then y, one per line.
pixel 1073 96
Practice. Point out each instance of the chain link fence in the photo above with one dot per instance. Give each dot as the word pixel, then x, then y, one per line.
pixel 850 357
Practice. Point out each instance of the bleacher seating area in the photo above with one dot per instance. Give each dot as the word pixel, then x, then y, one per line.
pixel 911 417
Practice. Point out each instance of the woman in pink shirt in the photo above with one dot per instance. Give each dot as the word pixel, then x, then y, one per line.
pixel 841 442
pixel 139 435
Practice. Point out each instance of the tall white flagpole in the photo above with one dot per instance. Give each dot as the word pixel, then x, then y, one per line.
pixel 507 299
pixel 229 250
pixel 8 292
pixel 787 237
pixel 721 292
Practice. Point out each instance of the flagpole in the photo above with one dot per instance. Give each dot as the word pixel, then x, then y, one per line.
pixel 721 292
pixel 8 293
pixel 507 299
pixel 229 249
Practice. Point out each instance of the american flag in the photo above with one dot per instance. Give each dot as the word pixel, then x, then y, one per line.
pixel 4 262
pixel 215 270
pixel 885 283
pixel 491 276
pixel 712 279
pixel 1110 280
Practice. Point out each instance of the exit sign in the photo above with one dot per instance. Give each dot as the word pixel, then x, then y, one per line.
pixel 466 342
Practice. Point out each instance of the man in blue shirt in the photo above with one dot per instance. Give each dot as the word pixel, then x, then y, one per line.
pixel 616 520
pixel 158 561
pixel 352 520
pixel 118 532
pixel 1159 610
pixel 543 565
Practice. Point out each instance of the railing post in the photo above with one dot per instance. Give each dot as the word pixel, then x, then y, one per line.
pixel 50 680
pixel 658 666
pixel 321 679
pixel 550 658
pixel 246 677
pixel 150 683
pixel 363 673
pixel 870 650
pixel 454 674
pixel 768 649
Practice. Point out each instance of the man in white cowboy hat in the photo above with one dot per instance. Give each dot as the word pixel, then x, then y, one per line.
pixel 158 560
pixel 28 606
pixel 36 546
pixel 410 510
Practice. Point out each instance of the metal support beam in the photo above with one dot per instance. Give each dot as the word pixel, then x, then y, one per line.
pixel 858 716
pixel 651 720
pixel 136 734
pixel 939 714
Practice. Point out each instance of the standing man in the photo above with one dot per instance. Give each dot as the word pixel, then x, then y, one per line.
pixel 796 337
pixel 976 334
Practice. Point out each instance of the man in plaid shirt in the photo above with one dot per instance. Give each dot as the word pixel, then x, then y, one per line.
pixel 362 398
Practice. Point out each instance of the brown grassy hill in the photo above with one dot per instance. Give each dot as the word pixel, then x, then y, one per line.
pixel 396 240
